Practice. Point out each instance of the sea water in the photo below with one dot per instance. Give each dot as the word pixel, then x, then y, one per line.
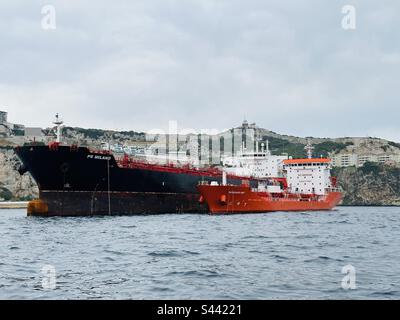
pixel 348 253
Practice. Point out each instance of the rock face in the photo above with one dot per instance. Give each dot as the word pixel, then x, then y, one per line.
pixel 372 184
pixel 13 186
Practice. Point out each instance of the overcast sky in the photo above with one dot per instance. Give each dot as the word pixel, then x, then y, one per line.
pixel 134 65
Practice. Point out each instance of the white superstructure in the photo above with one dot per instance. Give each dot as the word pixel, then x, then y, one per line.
pixel 308 176
pixel 259 164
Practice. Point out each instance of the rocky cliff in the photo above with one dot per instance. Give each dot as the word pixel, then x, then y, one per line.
pixel 13 186
pixel 370 185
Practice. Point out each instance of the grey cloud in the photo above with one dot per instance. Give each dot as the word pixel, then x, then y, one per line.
pixel 288 65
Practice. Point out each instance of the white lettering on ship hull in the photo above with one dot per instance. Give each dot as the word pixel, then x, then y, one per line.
pixel 98 157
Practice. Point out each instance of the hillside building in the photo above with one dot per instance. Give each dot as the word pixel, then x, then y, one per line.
pixel 367 150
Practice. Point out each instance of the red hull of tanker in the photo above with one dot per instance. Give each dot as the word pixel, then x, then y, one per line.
pixel 241 199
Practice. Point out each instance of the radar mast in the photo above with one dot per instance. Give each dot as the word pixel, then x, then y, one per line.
pixel 58 122
pixel 309 148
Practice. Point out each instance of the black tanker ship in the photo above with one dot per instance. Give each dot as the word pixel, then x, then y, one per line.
pixel 77 181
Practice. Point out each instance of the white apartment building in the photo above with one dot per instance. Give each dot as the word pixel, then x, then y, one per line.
pixel 347 159
pixel 364 150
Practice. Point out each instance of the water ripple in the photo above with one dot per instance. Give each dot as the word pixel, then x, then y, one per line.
pixel 258 256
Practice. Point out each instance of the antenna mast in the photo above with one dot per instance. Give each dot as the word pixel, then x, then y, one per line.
pixel 267 147
pixel 58 122
pixel 309 148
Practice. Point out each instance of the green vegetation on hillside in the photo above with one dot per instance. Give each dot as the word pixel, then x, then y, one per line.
pixel 18 132
pixel 323 149
pixel 371 167
pixel 25 198
pixel 5 194
pixel 37 143
pixel 296 150
pixel 133 134
pixel 6 147
pixel 394 144
pixel 89 133
pixel 98 134
pixel 279 146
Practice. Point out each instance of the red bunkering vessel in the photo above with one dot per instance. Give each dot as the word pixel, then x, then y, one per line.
pixel 300 190
pixel 242 199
